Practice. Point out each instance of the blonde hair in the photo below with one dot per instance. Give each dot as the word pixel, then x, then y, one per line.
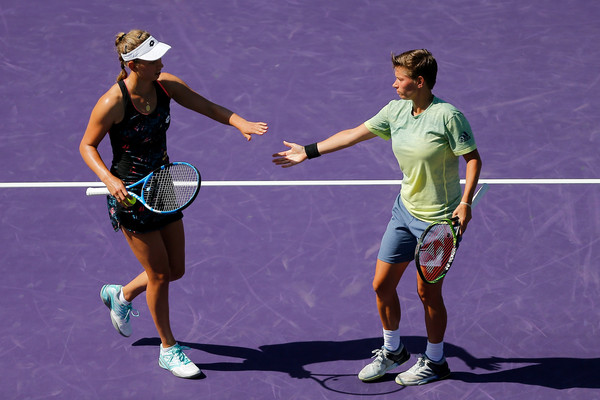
pixel 126 42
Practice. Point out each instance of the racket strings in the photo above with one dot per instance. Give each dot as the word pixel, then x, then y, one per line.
pixel 171 188
pixel 436 249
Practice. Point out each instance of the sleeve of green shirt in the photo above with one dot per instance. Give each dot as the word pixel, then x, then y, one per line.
pixel 460 135
pixel 380 123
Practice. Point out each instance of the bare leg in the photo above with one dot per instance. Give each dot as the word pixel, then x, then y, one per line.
pixel 136 286
pixel 162 254
pixel 175 243
pixel 436 317
pixel 385 283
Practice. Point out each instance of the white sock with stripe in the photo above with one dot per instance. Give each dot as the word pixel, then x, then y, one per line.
pixel 391 340
pixel 435 351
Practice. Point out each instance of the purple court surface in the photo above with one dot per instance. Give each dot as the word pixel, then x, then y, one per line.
pixel 277 301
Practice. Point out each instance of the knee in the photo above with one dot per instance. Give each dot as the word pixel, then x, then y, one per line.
pixel 170 275
pixel 177 270
pixel 177 274
pixel 159 278
pixel 383 289
pixel 430 295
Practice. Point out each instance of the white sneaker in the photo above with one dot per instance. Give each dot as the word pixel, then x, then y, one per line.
pixel 175 360
pixel 119 313
pixel 424 371
pixel 384 361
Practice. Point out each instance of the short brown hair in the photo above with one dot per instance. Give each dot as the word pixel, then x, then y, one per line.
pixel 418 63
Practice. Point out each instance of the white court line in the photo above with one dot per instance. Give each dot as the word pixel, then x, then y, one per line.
pixel 349 182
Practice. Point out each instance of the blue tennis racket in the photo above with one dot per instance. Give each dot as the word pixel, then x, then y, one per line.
pixel 438 244
pixel 165 190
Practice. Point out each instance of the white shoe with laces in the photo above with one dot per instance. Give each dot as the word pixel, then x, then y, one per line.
pixel 119 313
pixel 424 371
pixel 384 360
pixel 175 360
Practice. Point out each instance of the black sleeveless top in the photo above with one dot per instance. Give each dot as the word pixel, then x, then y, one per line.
pixel 139 141
pixel 139 145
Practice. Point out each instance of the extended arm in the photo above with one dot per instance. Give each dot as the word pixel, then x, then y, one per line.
pixel 188 98
pixel 346 138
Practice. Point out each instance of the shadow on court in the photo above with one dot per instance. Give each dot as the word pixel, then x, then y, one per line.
pixel 552 372
pixel 292 358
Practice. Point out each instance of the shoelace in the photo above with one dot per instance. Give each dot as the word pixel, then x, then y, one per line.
pixel 378 355
pixel 420 363
pixel 126 310
pixel 176 354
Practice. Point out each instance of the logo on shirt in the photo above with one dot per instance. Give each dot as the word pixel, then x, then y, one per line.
pixel 464 137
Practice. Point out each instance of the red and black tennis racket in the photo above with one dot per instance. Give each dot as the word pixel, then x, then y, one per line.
pixel 438 244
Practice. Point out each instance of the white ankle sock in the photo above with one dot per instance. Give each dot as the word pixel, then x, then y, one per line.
pixel 167 349
pixel 391 340
pixel 435 351
pixel 122 298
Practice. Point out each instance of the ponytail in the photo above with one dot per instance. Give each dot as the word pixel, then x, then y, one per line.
pixel 123 73
pixel 118 44
pixel 126 42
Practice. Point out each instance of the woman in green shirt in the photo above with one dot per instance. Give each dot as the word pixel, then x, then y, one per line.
pixel 428 137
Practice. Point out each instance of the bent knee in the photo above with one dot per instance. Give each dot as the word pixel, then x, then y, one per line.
pixel 159 278
pixel 177 274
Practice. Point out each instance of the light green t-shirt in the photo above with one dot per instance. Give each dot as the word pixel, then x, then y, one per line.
pixel 427 147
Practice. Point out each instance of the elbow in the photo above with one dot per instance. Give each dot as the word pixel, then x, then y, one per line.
pixel 83 149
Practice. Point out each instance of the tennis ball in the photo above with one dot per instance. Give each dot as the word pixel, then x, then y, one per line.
pixel 130 200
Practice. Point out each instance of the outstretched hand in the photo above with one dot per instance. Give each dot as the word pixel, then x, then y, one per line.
pixel 248 129
pixel 295 155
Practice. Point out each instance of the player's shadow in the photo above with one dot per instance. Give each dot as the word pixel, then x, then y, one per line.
pixel 291 358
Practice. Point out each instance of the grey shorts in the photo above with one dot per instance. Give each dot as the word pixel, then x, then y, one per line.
pixel 401 236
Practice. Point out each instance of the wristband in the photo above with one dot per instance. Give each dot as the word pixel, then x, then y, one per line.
pixel 311 151
pixel 465 203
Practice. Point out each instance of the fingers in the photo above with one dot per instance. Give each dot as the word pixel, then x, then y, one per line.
pixel 282 158
pixel 124 199
pixel 129 201
pixel 283 153
pixel 462 229
pixel 291 157
pixel 286 164
pixel 118 190
pixel 463 214
pixel 255 128
pixel 261 128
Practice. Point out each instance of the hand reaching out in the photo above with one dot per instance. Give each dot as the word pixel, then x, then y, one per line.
pixel 248 128
pixel 295 155
pixel 253 128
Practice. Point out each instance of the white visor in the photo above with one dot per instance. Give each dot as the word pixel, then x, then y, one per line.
pixel 150 50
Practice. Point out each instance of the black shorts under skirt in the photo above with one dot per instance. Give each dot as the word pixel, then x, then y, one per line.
pixel 137 218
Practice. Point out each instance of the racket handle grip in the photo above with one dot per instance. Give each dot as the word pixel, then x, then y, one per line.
pixel 96 191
